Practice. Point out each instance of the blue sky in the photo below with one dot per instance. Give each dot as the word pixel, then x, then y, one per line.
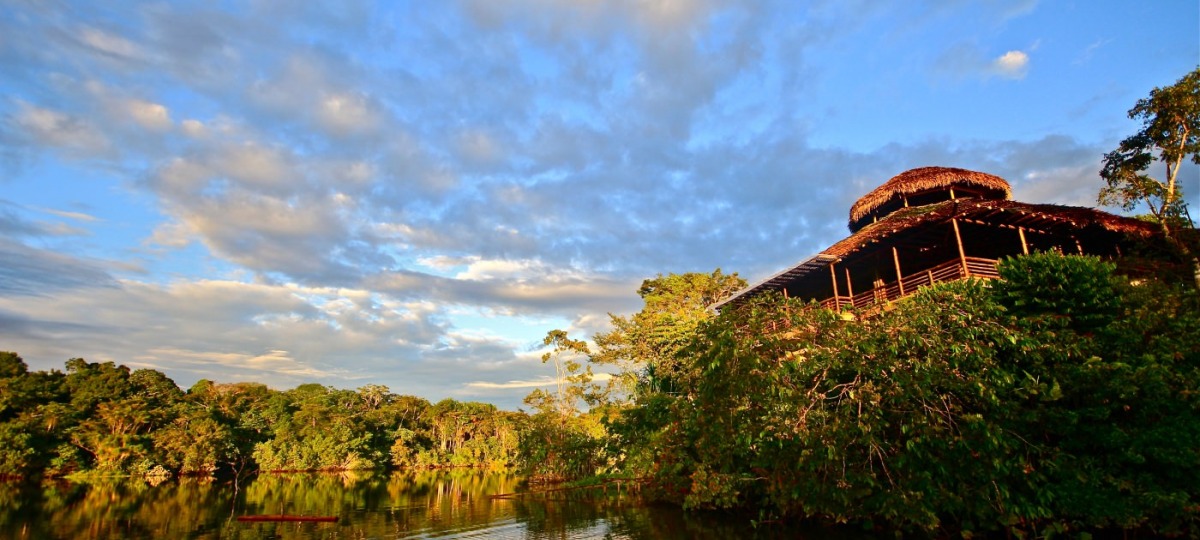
pixel 413 193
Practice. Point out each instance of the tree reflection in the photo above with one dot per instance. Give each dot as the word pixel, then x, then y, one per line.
pixel 405 504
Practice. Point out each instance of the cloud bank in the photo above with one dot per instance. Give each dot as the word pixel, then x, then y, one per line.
pixel 413 197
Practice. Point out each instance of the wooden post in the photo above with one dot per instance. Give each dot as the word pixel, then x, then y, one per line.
pixel 952 193
pixel 1078 246
pixel 849 285
pixel 899 276
pixel 1024 246
pixel 833 274
pixel 962 255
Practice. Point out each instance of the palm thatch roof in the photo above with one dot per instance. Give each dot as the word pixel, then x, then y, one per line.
pixel 925 179
pixel 1050 218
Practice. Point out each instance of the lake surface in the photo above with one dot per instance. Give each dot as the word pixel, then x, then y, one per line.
pixel 436 504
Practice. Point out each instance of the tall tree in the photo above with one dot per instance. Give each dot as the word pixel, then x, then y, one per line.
pixel 1170 134
pixel 649 340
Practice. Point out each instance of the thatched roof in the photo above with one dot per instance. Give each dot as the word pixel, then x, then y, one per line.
pixel 1041 216
pixel 1045 217
pixel 924 179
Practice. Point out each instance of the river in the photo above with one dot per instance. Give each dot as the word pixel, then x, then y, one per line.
pixel 451 504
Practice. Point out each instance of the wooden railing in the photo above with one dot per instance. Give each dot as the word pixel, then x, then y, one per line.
pixel 975 267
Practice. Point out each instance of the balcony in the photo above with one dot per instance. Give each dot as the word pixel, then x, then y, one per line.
pixel 969 267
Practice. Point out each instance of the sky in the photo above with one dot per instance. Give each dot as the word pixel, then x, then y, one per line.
pixel 412 194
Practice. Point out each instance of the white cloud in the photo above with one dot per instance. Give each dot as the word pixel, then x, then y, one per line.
pixel 283 335
pixel 1071 185
pixel 111 44
pixel 481 270
pixel 477 146
pixel 540 382
pixel 1011 65
pixel 57 129
pixel 347 114
pixel 78 216
pixel 276 361
pixel 170 234
pixel 193 128
pixel 149 115
pixel 967 60
pixel 255 166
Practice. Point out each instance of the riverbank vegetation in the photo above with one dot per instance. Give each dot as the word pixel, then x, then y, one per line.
pixel 1063 397
pixel 105 419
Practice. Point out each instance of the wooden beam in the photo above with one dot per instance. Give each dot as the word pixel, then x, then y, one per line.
pixel 849 284
pixel 1024 246
pixel 1003 225
pixel 833 274
pixel 899 276
pixel 962 255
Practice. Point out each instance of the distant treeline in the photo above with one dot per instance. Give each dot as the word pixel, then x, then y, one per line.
pixel 101 418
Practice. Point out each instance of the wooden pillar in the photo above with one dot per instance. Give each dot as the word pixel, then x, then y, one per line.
pixel 906 201
pixel 952 193
pixel 1078 246
pixel 833 274
pixel 899 276
pixel 1024 246
pixel 849 285
pixel 962 255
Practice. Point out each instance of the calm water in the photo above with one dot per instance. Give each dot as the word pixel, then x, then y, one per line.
pixel 441 504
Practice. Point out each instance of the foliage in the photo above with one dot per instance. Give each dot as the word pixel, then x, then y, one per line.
pixel 1081 291
pixel 103 419
pixel 561 442
pixel 645 348
pixel 1060 399
pixel 646 344
pixel 1170 133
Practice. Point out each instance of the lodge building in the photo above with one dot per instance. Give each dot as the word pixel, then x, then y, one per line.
pixel 935 224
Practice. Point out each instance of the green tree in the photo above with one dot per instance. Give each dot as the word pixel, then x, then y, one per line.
pixel 645 345
pixel 1170 134
pixel 1077 409
pixel 562 441
pixel 652 374
pixel 12 365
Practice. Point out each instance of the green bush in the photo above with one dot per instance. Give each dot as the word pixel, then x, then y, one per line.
pixel 1060 399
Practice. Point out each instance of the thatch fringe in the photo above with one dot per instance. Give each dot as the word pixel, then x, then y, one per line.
pixel 924 179
pixel 1048 215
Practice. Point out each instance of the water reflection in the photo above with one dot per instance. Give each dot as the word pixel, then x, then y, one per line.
pixel 441 504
